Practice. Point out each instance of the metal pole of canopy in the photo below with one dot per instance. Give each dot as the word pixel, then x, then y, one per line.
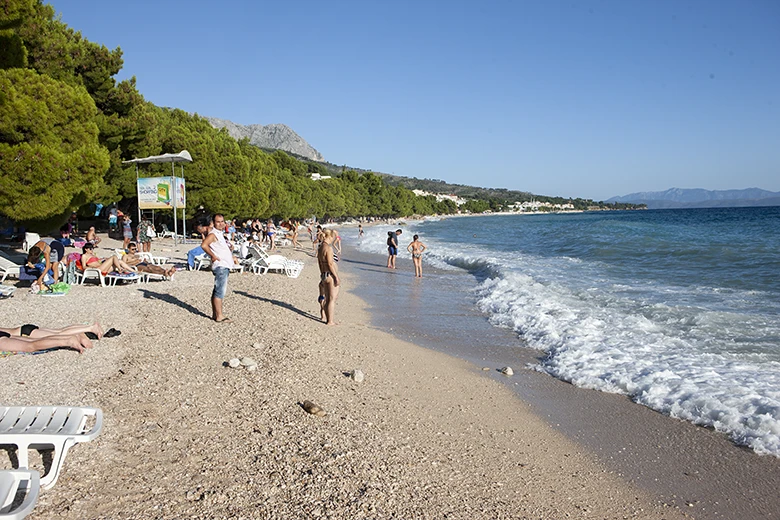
pixel 183 213
pixel 175 213
pixel 138 223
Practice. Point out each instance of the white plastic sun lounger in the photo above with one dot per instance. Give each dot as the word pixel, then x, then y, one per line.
pixel 9 268
pixel 46 427
pixel 11 482
pixel 293 268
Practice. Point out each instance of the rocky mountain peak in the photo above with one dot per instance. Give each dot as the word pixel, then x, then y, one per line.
pixel 276 136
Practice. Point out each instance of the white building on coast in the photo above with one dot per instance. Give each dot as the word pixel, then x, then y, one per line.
pixel 441 196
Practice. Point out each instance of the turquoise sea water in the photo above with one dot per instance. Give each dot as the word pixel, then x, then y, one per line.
pixel 679 309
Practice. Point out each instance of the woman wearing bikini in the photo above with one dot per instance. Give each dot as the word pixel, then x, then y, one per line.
pixel 416 248
pixel 112 263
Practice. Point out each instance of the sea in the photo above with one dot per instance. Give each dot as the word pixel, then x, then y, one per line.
pixel 678 309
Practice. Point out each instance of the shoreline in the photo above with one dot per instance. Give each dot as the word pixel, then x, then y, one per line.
pixel 425 435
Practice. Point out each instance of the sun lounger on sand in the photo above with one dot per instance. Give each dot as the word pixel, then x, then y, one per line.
pixel 261 263
pixel 108 279
pixel 203 261
pixel 47 427
pixel 9 268
pixel 11 483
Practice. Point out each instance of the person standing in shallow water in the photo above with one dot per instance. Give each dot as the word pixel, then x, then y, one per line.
pixel 216 247
pixel 329 277
pixel 416 248
pixel 392 247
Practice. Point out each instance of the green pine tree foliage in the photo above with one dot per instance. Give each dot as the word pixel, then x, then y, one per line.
pixel 12 15
pixel 122 117
pixel 50 158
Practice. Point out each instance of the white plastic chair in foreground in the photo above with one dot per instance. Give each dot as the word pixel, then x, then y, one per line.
pixel 11 483
pixel 46 427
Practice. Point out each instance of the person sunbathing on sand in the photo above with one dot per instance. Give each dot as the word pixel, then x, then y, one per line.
pixel 31 338
pixel 112 263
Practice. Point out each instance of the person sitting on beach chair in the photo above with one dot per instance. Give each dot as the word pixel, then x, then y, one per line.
pixel 112 263
pixel 31 338
pixel 133 260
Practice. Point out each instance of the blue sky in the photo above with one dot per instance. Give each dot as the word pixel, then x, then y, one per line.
pixel 577 99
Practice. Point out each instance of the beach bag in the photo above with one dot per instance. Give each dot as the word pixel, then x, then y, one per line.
pixel 72 261
pixel 150 232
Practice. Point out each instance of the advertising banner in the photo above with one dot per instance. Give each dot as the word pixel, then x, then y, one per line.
pixel 160 192
pixel 180 192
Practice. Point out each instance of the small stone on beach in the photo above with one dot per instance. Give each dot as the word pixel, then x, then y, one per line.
pixel 313 409
pixel 248 361
pixel 507 371
pixel 234 363
pixel 357 375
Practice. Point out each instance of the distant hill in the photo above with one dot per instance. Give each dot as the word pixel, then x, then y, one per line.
pixel 275 136
pixel 700 198
pixel 281 137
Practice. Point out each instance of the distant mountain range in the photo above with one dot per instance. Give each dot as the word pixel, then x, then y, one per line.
pixel 700 198
pixel 276 136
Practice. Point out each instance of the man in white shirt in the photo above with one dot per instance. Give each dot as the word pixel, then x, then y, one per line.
pixel 216 247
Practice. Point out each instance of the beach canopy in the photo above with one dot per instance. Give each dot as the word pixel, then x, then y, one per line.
pixel 182 156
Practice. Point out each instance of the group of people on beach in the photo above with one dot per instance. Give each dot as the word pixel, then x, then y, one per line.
pixel 217 236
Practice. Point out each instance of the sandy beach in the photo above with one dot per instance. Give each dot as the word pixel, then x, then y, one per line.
pixel 425 435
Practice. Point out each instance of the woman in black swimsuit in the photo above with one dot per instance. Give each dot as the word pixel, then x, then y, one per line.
pixel 31 338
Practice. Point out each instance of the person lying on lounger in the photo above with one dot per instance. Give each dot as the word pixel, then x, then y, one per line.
pixel 31 338
pixel 112 263
pixel 132 259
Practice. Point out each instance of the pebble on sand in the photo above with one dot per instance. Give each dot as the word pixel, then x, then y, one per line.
pixel 507 371
pixel 357 375
pixel 313 409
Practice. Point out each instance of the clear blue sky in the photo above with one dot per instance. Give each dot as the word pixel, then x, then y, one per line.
pixel 572 98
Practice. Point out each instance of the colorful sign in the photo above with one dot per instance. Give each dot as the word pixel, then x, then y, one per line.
pixel 161 193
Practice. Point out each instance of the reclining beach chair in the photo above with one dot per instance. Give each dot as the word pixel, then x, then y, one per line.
pixel 110 279
pixel 12 482
pixel 166 233
pixel 203 261
pixel 293 268
pixel 30 239
pixel 261 262
pixel 150 258
pixel 46 427
pixel 9 268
